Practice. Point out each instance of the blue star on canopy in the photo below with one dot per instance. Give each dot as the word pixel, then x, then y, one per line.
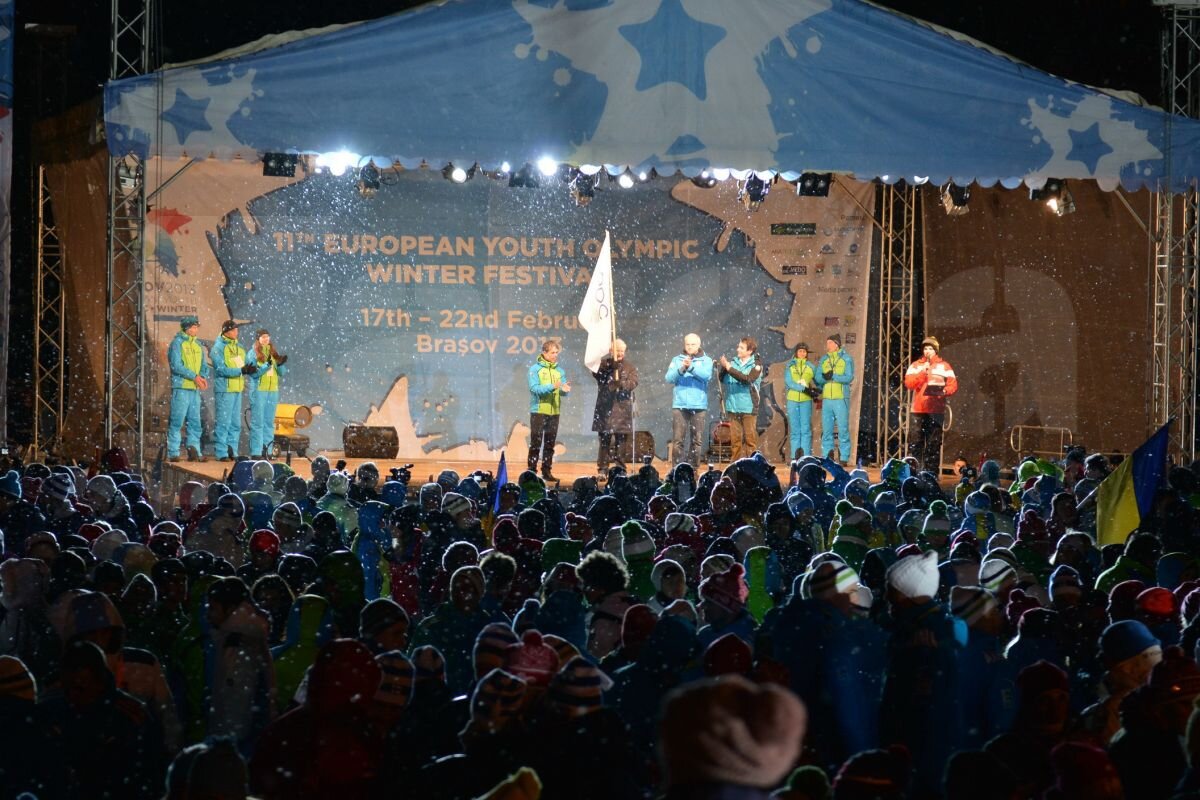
pixel 186 114
pixel 661 38
pixel 1087 147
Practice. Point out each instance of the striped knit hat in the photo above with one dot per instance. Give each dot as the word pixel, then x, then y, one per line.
pixel 831 578
pixel 578 688
pixel 429 663
pixel 396 685
pixel 496 701
pixel 677 521
pixel 491 648
pixel 996 575
pixel 532 660
pixel 16 680
pixel 635 542
pixel 969 603
pixel 565 650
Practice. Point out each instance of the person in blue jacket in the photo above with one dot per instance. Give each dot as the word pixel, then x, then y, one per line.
pixel 229 368
pixel 547 385
pixel 189 376
pixel 741 381
pixel 800 378
pixel 834 374
pixel 689 373
pixel 264 391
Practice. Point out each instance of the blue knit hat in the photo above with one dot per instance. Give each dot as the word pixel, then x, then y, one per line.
pixel 188 321
pixel 10 484
pixel 1125 639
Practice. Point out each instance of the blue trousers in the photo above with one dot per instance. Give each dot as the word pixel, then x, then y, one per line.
pixel 185 407
pixel 799 427
pixel 227 430
pixel 262 420
pixel 835 412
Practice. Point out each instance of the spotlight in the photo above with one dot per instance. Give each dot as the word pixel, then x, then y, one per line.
pixel 458 174
pixel 524 177
pixel 279 165
pixel 753 191
pixel 583 188
pixel 547 166
pixel 625 181
pixel 955 199
pixel 705 180
pixel 337 162
pixel 506 167
pixel 644 176
pixel 1056 196
pixel 814 184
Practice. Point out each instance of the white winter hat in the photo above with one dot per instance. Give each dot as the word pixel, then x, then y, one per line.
pixel 915 576
pixel 677 521
pixel 263 471
pixel 338 483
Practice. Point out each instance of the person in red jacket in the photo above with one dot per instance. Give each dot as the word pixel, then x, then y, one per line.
pixel 932 380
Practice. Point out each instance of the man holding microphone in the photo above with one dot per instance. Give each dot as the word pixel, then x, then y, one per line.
pixel 932 380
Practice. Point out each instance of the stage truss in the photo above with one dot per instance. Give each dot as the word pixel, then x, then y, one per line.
pixel 899 212
pixel 1175 246
pixel 49 325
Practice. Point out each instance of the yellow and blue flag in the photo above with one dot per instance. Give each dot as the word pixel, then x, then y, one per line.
pixel 1127 494
pixel 489 519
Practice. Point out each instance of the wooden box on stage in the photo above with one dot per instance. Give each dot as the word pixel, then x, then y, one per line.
pixel 640 444
pixel 370 441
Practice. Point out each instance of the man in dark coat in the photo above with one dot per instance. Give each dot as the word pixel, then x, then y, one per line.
pixel 613 419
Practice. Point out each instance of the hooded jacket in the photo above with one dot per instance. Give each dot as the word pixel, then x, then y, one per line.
pixel 691 385
pixel 242 700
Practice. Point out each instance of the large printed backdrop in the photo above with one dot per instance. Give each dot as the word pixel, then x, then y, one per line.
pixel 423 306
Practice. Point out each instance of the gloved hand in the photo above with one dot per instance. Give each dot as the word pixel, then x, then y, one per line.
pixel 249 369
pixel 828 375
pixel 280 360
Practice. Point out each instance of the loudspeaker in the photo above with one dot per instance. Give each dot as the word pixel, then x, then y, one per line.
pixel 640 444
pixel 721 448
pixel 370 441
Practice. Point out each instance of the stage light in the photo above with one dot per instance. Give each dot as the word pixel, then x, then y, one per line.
pixel 705 180
pixel 279 165
pixel 625 181
pixel 955 199
pixel 547 166
pixel 524 177
pixel 753 191
pixel 643 176
pixel 814 184
pixel 505 167
pixel 583 188
pixel 337 162
pixel 1056 196
pixel 458 174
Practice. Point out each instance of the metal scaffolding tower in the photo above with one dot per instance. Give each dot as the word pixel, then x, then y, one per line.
pixel 1175 237
pixel 49 324
pixel 899 212
pixel 125 325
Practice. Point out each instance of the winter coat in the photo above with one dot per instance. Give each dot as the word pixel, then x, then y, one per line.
pixel 325 748
pixel 799 371
pixel 614 396
pixel 924 373
pixel 1125 569
pixel 986 691
pixel 835 664
pixel 920 694
pixel 544 396
pixel 563 614
pixel 310 625
pixel 25 630
pixel 592 745
pixel 741 383
pixel 228 358
pixel 838 385
pixel 185 355
pixel 268 370
pixel 453 633
pixel 29 761
pixel 742 626
pixel 242 700
pixel 22 520
pixel 345 512
pixel 371 545
pixel 691 386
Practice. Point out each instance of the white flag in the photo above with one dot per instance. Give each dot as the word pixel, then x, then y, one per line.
pixel 596 314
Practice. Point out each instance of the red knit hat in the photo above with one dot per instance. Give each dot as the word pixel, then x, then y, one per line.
pixel 1157 602
pixel 1031 528
pixel 638 625
pixel 728 655
pixel 264 541
pixel 727 589
pixel 532 660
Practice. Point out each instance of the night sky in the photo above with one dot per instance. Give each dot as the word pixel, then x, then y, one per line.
pixel 1106 43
